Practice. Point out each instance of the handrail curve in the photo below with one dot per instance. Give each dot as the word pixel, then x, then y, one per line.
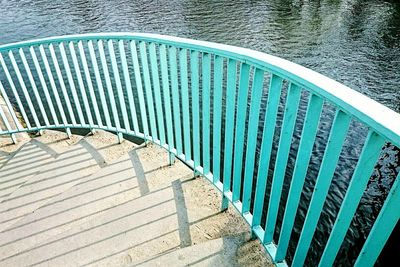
pixel 229 113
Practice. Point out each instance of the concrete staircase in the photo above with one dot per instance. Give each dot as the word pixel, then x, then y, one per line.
pixel 91 201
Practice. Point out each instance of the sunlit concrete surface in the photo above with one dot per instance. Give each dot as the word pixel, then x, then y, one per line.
pixel 91 201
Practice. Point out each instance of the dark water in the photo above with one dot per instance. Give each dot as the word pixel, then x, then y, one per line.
pixel 356 42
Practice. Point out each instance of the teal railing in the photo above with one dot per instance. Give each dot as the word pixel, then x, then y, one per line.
pixel 216 108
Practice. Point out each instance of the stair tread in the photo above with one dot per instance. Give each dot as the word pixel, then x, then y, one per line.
pixel 91 197
pixel 54 178
pixel 132 210
pixel 25 164
pixel 4 157
pixel 117 183
pixel 106 235
pixel 216 252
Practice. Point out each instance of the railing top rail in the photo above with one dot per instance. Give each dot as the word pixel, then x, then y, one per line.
pixel 382 119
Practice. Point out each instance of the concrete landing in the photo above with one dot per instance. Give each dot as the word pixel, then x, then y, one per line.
pixel 103 204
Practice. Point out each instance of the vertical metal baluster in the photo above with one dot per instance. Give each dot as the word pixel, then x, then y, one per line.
pixel 120 93
pixel 285 140
pixel 89 84
pixel 15 93
pixel 54 88
pixel 157 93
pixel 217 117
pixel 167 97
pixel 383 226
pixel 274 93
pixel 100 87
pixel 128 85
pixel 327 169
pixel 110 90
pixel 44 86
pixel 62 84
pixel 24 90
pixel 240 129
pixel 81 84
pixel 11 111
pixel 194 71
pixel 34 87
pixel 72 85
pixel 206 83
pixel 175 99
pixel 183 65
pixel 229 129
pixel 149 90
pixel 307 140
pixel 256 92
pixel 6 122
pixel 139 86
pixel 362 173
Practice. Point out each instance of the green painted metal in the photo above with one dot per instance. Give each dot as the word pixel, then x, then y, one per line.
pixel 120 93
pixel 194 75
pixel 148 90
pixel 109 87
pixel 5 120
pixel 217 114
pixel 362 173
pixel 229 125
pixel 157 92
pixel 383 226
pixel 99 84
pixel 139 86
pixel 240 129
pixel 62 84
pixel 14 91
pixel 299 173
pixel 206 83
pixel 71 85
pixel 256 93
pixel 53 85
pixel 266 147
pixel 82 88
pixel 34 87
pixel 183 69
pixel 23 87
pixel 285 140
pixel 166 96
pixel 128 86
pixel 93 100
pixel 10 109
pixel 176 100
pixel 332 152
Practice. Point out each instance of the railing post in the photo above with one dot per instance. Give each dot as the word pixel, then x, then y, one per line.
pixel 68 131
pixel 171 159
pixel 196 174
pixel 224 203
pixel 146 141
pixel 120 138
pixel 13 138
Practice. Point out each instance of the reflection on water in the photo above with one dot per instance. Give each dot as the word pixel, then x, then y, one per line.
pixel 356 42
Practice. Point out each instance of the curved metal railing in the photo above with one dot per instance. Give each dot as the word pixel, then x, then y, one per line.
pixel 229 113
